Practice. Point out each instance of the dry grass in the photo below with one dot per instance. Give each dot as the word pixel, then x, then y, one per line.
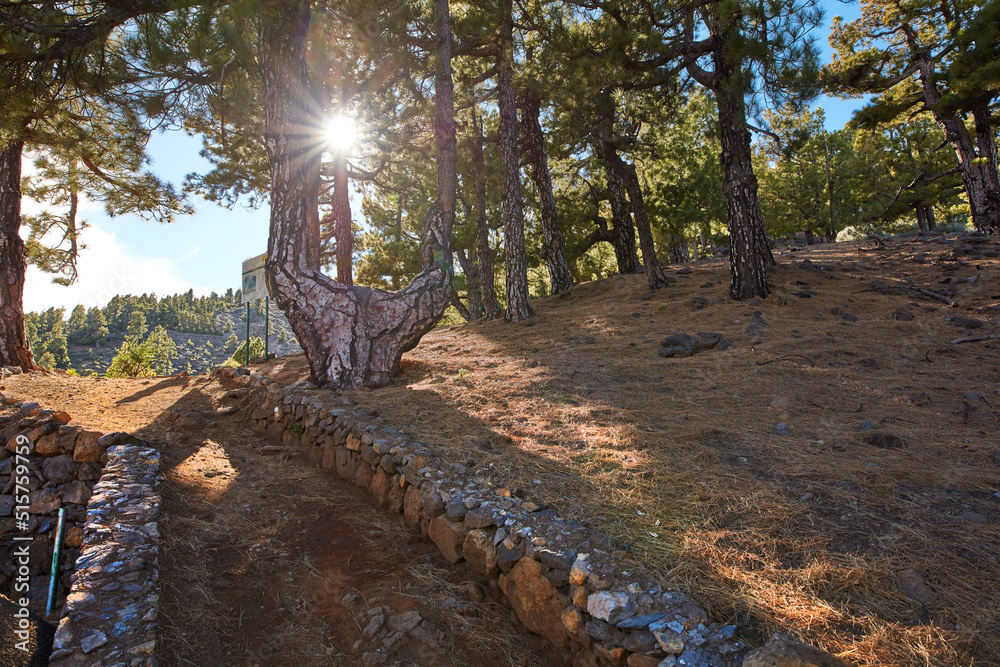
pixel 678 459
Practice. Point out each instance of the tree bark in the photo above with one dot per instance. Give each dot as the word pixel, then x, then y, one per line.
pixel 473 286
pixel 553 241
pixel 678 248
pixel 623 241
pixel 352 335
pixel 484 258
pixel 626 172
pixel 979 172
pixel 512 211
pixel 749 253
pixel 14 350
pixel 343 232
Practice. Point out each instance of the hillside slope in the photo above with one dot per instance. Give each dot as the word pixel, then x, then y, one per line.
pixel 839 456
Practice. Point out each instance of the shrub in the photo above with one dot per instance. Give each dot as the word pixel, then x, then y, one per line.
pixel 133 360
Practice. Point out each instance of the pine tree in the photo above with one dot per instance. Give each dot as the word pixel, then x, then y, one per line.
pixel 162 351
pixel 136 325
pixel 76 327
pixel 96 327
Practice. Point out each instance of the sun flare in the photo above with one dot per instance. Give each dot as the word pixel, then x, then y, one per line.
pixel 341 133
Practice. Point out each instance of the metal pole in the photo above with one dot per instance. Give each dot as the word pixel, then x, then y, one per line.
pixel 56 557
pixel 267 323
pixel 248 334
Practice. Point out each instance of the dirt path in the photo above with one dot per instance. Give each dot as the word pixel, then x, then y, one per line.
pixel 270 561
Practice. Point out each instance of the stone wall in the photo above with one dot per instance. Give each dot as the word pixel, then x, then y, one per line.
pixel 65 462
pixel 562 581
pixel 109 572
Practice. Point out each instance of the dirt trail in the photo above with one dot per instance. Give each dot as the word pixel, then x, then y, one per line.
pixel 270 561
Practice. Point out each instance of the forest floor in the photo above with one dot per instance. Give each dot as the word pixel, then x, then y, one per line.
pixel 834 475
pixel 271 561
pixel 829 532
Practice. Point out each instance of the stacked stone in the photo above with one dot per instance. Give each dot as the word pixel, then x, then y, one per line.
pixel 110 616
pixel 561 581
pixel 64 463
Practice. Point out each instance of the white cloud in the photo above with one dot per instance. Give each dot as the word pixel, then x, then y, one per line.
pixel 105 269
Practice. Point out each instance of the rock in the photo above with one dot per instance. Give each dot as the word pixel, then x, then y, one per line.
pixel 535 601
pixel 580 570
pixel 88 447
pixel 573 621
pixel 684 270
pixel 699 302
pixel 93 640
pixel 43 501
pixel 847 317
pixel 974 517
pixel 480 553
pixel 75 493
pixel 639 660
pixel 54 444
pixel 404 622
pixel 411 504
pixel 779 403
pixel 610 606
pixel 903 315
pixel 456 509
pixel 708 341
pixel 866 425
pixel 640 642
pixel 448 536
pixel 62 417
pixel 783 651
pixel 599 630
pixel 783 429
pixel 677 345
pixel 480 517
pixel 73 538
pixel 914 587
pixel 508 555
pixel 670 641
pixel 966 322
pixel 641 622
pixel 29 407
pixel 59 469
pixel 6 505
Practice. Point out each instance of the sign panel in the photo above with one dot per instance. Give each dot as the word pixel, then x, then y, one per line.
pixel 254 286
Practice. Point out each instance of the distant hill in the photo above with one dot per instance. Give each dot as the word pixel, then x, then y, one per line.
pixel 202 328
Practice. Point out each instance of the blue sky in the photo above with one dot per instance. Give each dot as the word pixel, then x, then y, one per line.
pixel 204 251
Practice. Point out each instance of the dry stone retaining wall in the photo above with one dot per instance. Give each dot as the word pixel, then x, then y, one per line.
pixel 562 581
pixel 110 562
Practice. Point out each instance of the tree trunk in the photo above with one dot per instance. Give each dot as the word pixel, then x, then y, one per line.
pixel 484 258
pixel 810 237
pixel 749 251
pixel 553 241
pixel 512 212
pixel 626 172
pixel 678 248
pixel 621 223
pixel 473 286
pixel 343 232
pixel 925 217
pixel 979 172
pixel 352 335
pixel 14 350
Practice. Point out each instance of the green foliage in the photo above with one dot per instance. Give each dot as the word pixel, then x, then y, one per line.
pixel 134 359
pixel 136 325
pixel 163 351
pixel 256 350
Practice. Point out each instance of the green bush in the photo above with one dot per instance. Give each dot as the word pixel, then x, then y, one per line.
pixel 256 350
pixel 133 360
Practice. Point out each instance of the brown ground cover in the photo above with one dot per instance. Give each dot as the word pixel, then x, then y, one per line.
pixel 259 551
pixel 679 459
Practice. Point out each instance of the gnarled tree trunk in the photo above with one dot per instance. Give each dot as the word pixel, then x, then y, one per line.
pixel 14 349
pixel 512 207
pixel 473 286
pixel 351 335
pixel 553 241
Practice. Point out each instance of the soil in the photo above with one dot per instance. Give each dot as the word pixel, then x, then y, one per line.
pixel 888 467
pixel 259 551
